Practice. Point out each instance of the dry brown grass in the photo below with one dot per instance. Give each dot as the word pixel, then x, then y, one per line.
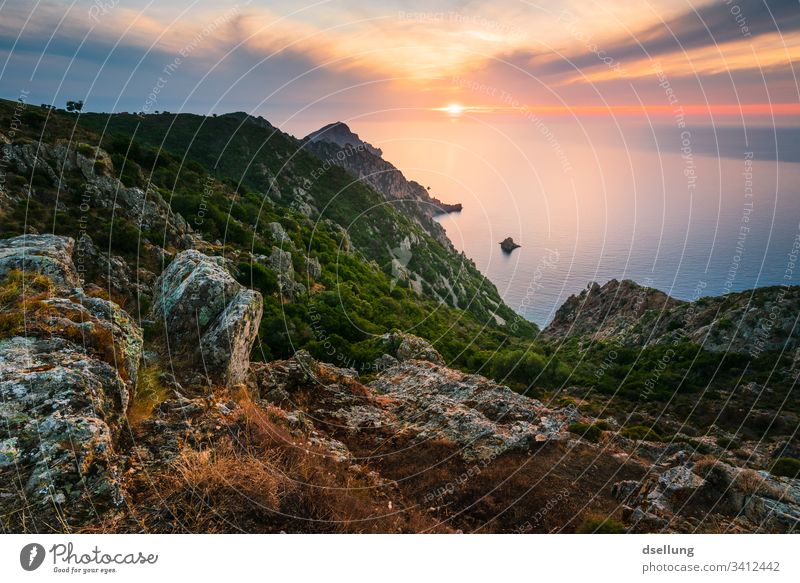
pixel 150 392
pixel 262 478
pixel 25 311
pixel 745 480
pixel 751 482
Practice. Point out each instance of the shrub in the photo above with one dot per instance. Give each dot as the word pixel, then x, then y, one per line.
pixel 728 443
pixel 257 276
pixel 150 392
pixel 587 431
pixel 786 466
pixel 640 432
pixel 599 525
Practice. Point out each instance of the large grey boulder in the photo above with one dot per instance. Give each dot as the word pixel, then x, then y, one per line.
pixel 209 320
pixel 66 379
pixel 404 346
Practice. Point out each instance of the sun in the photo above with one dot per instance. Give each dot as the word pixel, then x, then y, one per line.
pixel 454 109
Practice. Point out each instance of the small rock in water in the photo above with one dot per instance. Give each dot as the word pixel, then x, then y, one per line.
pixel 508 245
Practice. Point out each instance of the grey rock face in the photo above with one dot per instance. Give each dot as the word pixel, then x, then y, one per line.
pixel 49 255
pixel 420 400
pixel 485 418
pixel 64 390
pixel 280 262
pixel 210 321
pixel 58 420
pixel 410 347
pixel 674 496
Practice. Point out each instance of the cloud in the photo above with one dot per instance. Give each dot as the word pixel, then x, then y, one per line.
pixel 707 29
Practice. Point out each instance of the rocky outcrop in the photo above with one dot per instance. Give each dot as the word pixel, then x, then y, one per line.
pixel 421 400
pixel 607 311
pixel 338 133
pixel 683 496
pixel 208 319
pixel 752 322
pixel 48 255
pixel 66 379
pixel 280 261
pixel 508 245
pixel 403 346
pixel 482 417
pixel 93 166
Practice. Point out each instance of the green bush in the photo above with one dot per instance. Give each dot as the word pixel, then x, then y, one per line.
pixel 257 276
pixel 587 431
pixel 726 443
pixel 600 526
pixel 639 432
pixel 786 466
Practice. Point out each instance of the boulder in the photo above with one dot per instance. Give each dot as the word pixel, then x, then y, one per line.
pixel 59 418
pixel 508 245
pixel 48 255
pixel 410 347
pixel 209 320
pixel 280 262
pixel 66 379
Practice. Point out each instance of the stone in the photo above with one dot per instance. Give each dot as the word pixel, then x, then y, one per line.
pixel 508 245
pixel 410 347
pixel 210 321
pixel 48 255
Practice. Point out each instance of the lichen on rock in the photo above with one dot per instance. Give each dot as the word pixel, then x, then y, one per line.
pixel 209 320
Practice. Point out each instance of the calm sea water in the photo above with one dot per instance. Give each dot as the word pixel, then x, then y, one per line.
pixel 704 213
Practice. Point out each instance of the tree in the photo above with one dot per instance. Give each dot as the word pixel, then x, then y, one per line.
pixel 74 105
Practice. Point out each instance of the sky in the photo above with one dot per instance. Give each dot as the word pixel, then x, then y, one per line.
pixel 301 64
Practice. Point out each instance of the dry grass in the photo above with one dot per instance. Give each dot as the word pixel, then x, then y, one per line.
pixel 25 311
pixel 150 392
pixel 745 480
pixel 751 482
pixel 261 478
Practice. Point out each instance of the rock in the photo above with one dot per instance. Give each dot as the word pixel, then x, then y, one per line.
pixel 49 255
pixel 711 488
pixel 410 347
pixel 209 320
pixel 279 233
pixel 280 262
pixel 313 267
pixel 59 418
pixel 420 400
pixel 508 245
pixel 338 133
pixel 484 418
pixel 64 391
pixel 634 315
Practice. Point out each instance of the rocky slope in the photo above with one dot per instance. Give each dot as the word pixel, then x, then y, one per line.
pixel 301 445
pixel 337 145
pixel 752 322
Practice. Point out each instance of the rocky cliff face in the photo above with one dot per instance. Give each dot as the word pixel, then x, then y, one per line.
pixel 339 146
pixel 753 322
pixel 338 133
pixel 67 373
